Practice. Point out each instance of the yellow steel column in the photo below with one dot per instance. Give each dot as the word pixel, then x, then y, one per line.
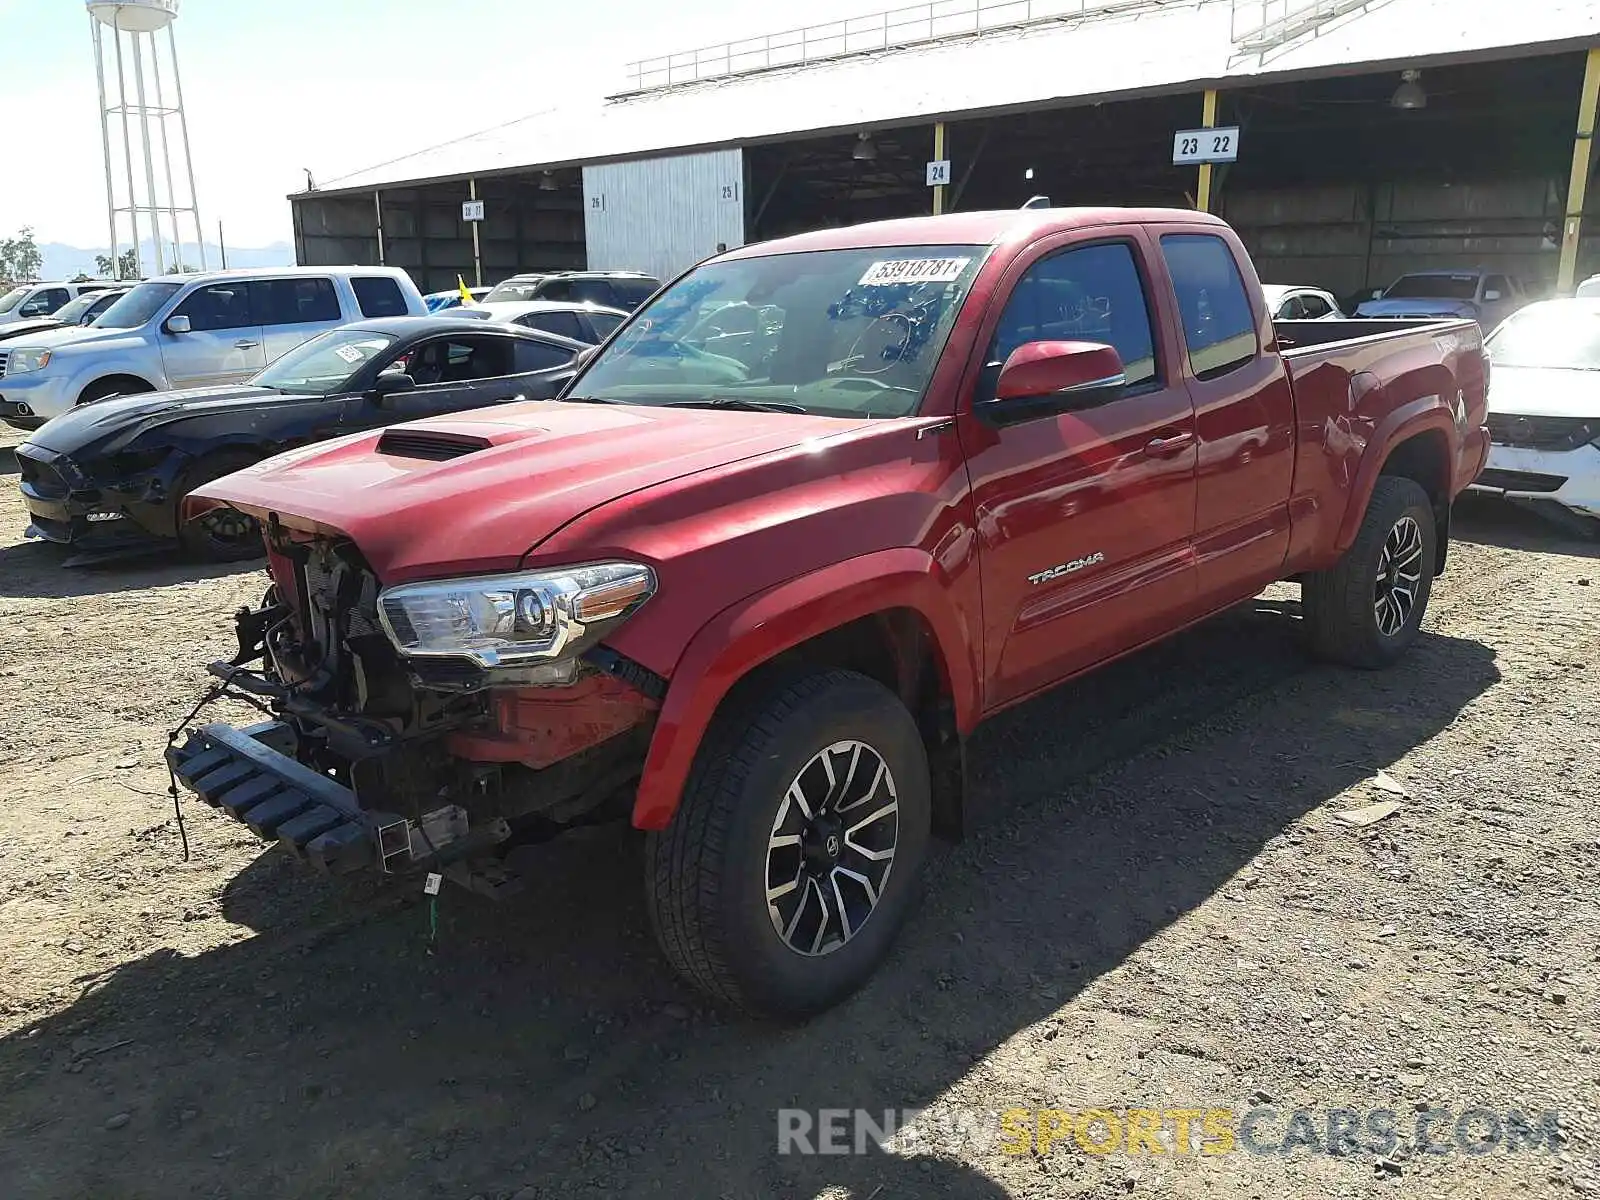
pixel 938 156
pixel 1578 186
pixel 1208 121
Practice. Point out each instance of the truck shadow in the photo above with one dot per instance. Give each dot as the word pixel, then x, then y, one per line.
pixel 543 1043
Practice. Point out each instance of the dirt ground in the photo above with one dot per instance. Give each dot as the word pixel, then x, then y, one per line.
pixel 1160 910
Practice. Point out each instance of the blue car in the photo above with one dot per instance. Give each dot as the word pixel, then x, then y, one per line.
pixel 439 301
pixel 1483 296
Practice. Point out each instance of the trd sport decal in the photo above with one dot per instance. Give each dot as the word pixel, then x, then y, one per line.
pixel 1076 564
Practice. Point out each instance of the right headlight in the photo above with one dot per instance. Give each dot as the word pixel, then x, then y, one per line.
pixel 504 620
pixel 23 361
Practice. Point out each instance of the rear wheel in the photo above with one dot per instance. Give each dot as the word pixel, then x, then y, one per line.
pixel 1367 610
pixel 794 855
pixel 221 534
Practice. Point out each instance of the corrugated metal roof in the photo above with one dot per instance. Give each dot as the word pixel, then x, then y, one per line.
pixel 1167 49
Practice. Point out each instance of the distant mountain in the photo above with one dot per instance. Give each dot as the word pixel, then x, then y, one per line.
pixel 63 262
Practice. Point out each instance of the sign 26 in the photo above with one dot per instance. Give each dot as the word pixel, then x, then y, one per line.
pixel 1191 146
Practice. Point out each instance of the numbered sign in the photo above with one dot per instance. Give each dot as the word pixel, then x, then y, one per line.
pixel 939 173
pixel 1191 147
pixel 729 193
pixel 472 210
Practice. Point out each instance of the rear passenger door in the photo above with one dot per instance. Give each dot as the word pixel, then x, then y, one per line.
pixel 294 310
pixel 1244 414
pixel 561 322
pixel 223 344
pixel 453 373
pixel 378 296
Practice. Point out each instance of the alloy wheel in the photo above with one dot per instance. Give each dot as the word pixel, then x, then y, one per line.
pixel 831 848
pixel 1399 576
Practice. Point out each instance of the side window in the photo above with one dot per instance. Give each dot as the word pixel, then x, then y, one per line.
pixel 1496 283
pixel 593 291
pixel 605 324
pixel 1217 322
pixel 1093 294
pixel 220 306
pixel 460 360
pixel 295 301
pixel 1316 306
pixel 554 289
pixel 44 302
pixel 633 292
pixel 540 356
pixel 564 323
pixel 99 306
pixel 378 296
pixel 1292 309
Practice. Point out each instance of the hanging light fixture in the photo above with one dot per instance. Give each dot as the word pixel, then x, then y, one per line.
pixel 547 182
pixel 865 150
pixel 1409 95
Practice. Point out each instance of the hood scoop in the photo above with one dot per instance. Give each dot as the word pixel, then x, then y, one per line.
pixel 430 444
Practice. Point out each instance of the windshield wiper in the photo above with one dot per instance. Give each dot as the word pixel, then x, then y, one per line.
pixel 741 403
pixel 590 400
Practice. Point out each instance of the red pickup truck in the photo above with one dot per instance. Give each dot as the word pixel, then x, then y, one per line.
pixel 816 511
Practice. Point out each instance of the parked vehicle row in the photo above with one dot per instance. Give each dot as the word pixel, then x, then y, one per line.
pixel 28 301
pixel 193 330
pixel 790 535
pixel 83 309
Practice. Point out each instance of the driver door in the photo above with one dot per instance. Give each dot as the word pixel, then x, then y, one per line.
pixel 224 342
pixel 1085 518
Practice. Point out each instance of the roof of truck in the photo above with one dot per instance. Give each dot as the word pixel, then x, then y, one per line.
pixel 972 228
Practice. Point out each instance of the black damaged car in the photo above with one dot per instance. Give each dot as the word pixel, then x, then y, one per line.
pixel 115 471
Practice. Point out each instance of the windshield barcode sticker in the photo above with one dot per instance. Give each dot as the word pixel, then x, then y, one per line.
pixel 349 353
pixel 914 270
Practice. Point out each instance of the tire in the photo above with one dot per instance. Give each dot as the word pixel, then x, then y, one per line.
pixel 709 873
pixel 104 389
pixel 1355 613
pixel 224 535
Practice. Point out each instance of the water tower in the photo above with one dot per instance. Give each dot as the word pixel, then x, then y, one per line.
pixel 140 144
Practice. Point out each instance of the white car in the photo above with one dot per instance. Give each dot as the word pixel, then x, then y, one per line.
pixel 591 323
pixel 29 300
pixel 1287 302
pixel 190 331
pixel 1589 288
pixel 1544 405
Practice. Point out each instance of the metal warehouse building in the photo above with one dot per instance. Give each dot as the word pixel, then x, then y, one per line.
pixel 1374 138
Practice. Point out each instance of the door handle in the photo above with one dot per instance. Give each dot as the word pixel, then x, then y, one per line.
pixel 245 344
pixel 1170 446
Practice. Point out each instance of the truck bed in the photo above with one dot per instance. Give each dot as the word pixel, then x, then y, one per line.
pixel 1301 335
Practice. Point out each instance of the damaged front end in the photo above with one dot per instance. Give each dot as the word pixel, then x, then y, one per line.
pixel 430 726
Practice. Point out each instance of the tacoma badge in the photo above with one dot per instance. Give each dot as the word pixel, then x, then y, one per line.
pixel 1068 568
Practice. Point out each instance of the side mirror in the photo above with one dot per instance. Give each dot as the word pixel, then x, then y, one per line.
pixel 391 383
pixel 584 355
pixel 178 324
pixel 1044 378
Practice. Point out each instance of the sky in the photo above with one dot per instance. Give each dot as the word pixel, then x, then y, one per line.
pixel 275 86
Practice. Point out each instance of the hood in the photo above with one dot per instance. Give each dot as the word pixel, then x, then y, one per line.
pixel 1418 307
pixel 74 335
pixel 32 325
pixel 1544 392
pixel 522 472
pixel 130 416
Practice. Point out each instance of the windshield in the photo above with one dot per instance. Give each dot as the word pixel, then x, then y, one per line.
pixel 138 306
pixel 1557 335
pixel 846 333
pixel 1433 287
pixel 13 298
pixel 72 311
pixel 514 289
pixel 325 364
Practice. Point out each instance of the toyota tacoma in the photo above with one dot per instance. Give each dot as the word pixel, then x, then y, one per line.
pixel 817 510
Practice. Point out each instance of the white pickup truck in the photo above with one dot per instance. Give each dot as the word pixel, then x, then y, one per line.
pixel 189 331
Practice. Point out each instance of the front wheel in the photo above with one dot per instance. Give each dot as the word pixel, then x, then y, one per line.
pixel 221 534
pixel 1367 609
pixel 793 858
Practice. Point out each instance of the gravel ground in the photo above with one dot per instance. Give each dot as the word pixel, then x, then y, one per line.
pixel 1160 910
